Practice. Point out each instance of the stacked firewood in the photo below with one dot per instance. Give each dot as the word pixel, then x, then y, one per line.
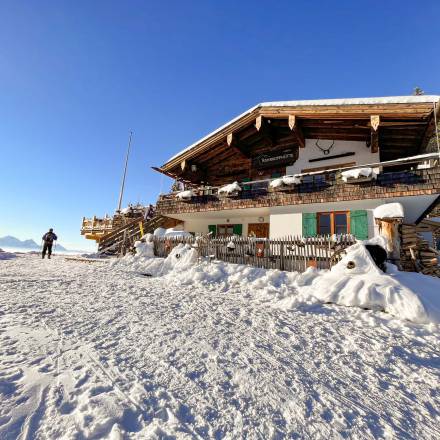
pixel 416 254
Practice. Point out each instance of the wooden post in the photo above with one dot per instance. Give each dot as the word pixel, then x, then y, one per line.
pixel 389 228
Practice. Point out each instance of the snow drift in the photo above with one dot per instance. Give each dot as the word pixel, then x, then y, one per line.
pixel 355 281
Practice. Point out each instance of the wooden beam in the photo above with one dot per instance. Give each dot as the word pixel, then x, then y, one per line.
pixel 233 143
pixel 374 139
pixel 429 131
pixel 258 122
pixel 375 122
pixel 296 129
pixel 229 139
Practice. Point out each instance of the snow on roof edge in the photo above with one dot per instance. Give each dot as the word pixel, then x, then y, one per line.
pixel 356 101
pixel 317 102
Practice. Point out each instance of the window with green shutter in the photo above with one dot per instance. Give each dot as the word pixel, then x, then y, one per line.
pixel 213 229
pixel 309 224
pixel 359 224
pixel 238 229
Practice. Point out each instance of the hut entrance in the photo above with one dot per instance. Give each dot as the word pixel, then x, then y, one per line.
pixel 259 230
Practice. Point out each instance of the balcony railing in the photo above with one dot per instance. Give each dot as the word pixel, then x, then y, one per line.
pixel 409 176
pixel 96 225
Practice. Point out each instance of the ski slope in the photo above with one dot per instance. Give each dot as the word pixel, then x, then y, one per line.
pixel 101 351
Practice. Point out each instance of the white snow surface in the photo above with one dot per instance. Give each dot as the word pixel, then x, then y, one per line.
pixel 203 350
pixel 144 249
pixel 230 188
pixel 389 210
pixel 286 180
pixel 358 172
pixel 364 286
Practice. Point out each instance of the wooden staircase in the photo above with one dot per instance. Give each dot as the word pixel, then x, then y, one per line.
pixel 122 239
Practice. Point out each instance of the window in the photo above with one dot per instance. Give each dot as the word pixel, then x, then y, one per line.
pixel 340 220
pixel 223 230
pixel 325 223
pixel 333 222
pixel 226 230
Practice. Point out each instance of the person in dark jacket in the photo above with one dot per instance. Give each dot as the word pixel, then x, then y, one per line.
pixel 48 239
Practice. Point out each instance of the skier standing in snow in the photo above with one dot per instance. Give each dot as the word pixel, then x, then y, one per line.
pixel 48 239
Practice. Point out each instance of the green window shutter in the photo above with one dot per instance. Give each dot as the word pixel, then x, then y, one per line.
pixel 275 175
pixel 213 229
pixel 237 229
pixel 246 187
pixel 309 224
pixel 359 224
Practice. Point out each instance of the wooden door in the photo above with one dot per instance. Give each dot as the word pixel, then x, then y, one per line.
pixel 261 230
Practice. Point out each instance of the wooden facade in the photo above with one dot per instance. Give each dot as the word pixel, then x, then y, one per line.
pixel 392 183
pixel 229 154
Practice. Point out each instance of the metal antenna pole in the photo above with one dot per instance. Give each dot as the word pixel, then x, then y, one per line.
pixel 125 172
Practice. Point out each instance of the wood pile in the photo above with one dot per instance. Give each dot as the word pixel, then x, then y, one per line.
pixel 416 255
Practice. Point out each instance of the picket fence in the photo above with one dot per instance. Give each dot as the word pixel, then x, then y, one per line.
pixel 289 253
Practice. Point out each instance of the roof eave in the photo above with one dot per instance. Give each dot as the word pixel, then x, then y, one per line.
pixel 241 119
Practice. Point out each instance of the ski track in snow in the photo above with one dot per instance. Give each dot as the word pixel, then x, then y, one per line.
pixel 90 351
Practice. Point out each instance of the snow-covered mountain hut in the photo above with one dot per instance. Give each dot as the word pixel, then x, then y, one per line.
pixel 308 168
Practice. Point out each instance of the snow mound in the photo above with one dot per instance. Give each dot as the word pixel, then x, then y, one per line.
pixel 144 249
pixel 389 210
pixel 355 281
pixel 229 189
pixel 286 180
pixel 359 172
pixel 185 195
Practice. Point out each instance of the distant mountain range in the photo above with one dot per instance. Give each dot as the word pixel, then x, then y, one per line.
pixel 13 242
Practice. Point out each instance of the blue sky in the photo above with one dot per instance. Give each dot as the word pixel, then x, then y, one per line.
pixel 76 77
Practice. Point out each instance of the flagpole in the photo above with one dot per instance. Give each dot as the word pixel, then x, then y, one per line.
pixel 125 172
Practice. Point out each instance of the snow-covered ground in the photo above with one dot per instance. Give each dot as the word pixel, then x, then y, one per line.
pixel 98 350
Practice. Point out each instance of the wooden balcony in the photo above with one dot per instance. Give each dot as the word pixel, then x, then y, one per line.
pixel 93 228
pixel 404 177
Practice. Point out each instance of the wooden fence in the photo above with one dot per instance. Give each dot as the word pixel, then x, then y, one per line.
pixel 290 253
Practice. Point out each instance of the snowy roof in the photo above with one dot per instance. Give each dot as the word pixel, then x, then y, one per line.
pixel 319 102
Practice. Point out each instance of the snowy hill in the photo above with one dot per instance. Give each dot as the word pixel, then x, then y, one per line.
pixel 13 242
pixel 201 351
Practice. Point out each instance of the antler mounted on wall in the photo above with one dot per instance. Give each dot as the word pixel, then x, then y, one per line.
pixel 325 151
